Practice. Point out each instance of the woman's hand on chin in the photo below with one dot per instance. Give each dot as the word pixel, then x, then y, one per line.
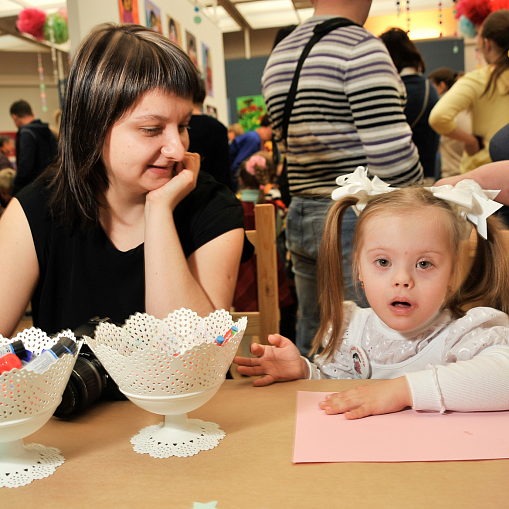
pixel 181 184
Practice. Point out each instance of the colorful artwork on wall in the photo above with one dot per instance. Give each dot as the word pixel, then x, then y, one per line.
pixel 250 109
pixel 192 48
pixel 128 11
pixel 207 69
pixel 210 110
pixel 174 32
pixel 153 17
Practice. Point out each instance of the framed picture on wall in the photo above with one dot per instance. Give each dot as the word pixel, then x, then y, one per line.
pixel 210 110
pixel 174 32
pixel 207 68
pixel 192 48
pixel 128 11
pixel 250 109
pixel 153 17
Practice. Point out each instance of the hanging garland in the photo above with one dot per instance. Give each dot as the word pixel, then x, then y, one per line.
pixel 408 16
pixel 440 20
pixel 42 86
pixel 197 18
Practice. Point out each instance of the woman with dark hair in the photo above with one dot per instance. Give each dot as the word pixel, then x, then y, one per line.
pixel 421 96
pixel 484 91
pixel 123 222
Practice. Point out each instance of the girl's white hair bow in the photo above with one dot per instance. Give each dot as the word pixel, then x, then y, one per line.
pixel 358 184
pixel 471 201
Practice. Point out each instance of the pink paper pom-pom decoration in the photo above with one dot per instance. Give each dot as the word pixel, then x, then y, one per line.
pixel 63 12
pixel 499 4
pixel 30 21
pixel 475 11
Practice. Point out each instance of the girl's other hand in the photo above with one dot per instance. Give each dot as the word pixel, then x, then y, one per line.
pixel 279 363
pixel 375 399
pixel 181 184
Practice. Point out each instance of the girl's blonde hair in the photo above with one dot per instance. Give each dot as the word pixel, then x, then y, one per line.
pixel 488 278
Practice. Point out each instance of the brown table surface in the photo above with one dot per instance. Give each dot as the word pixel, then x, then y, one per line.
pixel 250 469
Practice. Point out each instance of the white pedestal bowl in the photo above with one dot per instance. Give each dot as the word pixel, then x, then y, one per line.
pixel 170 367
pixel 27 402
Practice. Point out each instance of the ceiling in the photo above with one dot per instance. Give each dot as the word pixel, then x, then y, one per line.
pixel 229 15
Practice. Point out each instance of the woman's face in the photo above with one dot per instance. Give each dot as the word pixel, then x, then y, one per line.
pixel 141 149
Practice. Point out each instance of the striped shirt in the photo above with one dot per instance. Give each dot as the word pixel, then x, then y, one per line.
pixel 348 110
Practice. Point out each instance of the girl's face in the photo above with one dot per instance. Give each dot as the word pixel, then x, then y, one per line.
pixel 141 149
pixel 406 263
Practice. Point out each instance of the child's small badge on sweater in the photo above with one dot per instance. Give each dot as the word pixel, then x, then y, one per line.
pixel 359 362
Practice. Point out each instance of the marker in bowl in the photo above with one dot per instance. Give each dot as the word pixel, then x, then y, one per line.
pixel 16 348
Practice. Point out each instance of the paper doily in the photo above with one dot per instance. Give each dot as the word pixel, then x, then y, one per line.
pixel 200 436
pixel 37 463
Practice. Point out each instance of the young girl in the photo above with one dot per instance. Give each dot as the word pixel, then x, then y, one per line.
pixel 417 334
pixel 127 223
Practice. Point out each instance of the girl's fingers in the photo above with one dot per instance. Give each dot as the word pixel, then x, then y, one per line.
pixel 340 407
pixel 266 380
pixel 246 361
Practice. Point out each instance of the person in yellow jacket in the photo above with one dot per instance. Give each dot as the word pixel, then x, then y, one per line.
pixel 484 91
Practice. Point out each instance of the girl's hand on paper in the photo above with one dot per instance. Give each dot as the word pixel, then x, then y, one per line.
pixel 279 363
pixel 375 399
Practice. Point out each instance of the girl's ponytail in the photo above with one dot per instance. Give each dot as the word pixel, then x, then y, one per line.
pixel 331 279
pixel 487 282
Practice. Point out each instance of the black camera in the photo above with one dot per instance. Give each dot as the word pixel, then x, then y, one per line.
pixel 89 381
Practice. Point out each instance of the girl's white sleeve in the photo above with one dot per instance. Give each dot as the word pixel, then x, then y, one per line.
pixel 478 384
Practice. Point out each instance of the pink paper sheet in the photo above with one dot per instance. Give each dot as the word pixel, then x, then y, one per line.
pixel 399 437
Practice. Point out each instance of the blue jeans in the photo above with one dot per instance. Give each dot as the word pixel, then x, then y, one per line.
pixel 304 228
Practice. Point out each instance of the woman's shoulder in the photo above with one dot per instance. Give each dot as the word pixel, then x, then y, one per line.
pixel 34 200
pixel 476 79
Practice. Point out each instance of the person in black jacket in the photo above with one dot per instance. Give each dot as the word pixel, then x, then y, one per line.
pixel 209 138
pixel 421 97
pixel 36 145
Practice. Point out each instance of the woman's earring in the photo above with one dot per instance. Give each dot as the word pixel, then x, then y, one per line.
pixel 362 283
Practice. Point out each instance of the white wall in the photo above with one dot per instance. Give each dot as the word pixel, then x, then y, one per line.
pixel 19 79
pixel 86 14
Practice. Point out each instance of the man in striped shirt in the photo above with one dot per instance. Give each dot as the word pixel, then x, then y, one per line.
pixel 348 112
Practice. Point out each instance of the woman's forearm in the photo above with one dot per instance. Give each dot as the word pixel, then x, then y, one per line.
pixel 169 284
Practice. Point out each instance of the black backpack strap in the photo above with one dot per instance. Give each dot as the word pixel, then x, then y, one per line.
pixel 318 32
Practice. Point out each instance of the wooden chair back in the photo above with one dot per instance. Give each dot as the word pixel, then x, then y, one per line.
pixel 265 321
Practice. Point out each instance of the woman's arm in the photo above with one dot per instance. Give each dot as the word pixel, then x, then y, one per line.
pixel 471 142
pixel 204 282
pixel 489 176
pixel 19 267
pixel 459 98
